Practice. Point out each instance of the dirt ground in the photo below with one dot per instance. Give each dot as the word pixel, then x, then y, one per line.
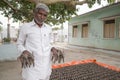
pixel 10 70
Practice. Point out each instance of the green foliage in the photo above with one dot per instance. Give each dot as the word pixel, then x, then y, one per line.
pixel 55 28
pixel 1 28
pixel 60 12
pixel 110 1
pixel 21 10
pixel 92 2
pixel 6 39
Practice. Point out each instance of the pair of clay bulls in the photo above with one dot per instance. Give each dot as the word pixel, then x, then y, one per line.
pixel 27 60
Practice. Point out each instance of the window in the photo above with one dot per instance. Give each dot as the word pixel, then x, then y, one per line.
pixel 109 28
pixel 75 31
pixel 119 30
pixel 84 30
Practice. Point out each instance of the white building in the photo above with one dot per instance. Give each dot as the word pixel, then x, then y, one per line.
pixel 61 35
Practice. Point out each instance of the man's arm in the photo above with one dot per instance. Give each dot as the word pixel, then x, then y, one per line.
pixel 26 58
pixel 21 40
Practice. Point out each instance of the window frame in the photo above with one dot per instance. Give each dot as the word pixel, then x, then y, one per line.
pixel 84 32
pixel 119 30
pixel 74 31
pixel 109 29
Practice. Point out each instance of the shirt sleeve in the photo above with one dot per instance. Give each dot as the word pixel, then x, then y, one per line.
pixel 21 40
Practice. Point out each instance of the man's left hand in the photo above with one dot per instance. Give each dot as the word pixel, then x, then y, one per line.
pixel 57 55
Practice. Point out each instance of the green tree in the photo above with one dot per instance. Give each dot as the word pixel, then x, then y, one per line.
pixel 55 28
pixel 1 31
pixel 0 28
pixel 61 10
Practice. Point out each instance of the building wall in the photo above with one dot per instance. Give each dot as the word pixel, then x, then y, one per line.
pixel 95 29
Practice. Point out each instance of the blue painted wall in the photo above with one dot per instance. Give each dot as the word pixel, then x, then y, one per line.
pixel 8 52
pixel 94 19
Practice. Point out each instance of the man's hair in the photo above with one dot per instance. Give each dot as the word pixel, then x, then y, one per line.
pixel 41 6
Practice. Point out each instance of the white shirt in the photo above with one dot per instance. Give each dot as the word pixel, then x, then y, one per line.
pixel 37 41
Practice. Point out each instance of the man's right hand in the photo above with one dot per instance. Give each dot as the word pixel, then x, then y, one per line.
pixel 26 59
pixel 26 53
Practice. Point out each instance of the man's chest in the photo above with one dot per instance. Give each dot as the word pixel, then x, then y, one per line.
pixel 36 34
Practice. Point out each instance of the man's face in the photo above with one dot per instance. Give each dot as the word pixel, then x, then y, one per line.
pixel 40 16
